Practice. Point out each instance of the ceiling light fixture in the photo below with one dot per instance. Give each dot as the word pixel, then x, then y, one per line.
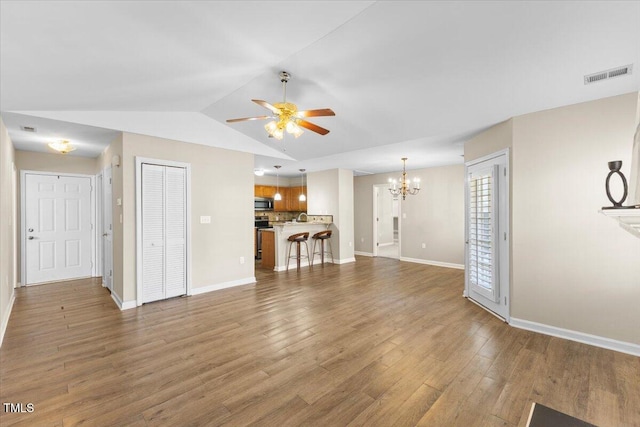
pixel 258 172
pixel 404 189
pixel 63 146
pixel 277 196
pixel 302 197
pixel 287 120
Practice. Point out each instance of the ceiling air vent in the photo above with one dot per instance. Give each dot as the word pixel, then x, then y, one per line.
pixel 28 129
pixel 608 74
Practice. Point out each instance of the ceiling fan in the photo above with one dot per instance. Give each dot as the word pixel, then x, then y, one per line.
pixel 286 115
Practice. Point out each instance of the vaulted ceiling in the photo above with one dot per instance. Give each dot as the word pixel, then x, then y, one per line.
pixel 406 79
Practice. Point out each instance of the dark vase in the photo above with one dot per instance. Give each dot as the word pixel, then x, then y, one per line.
pixel 614 168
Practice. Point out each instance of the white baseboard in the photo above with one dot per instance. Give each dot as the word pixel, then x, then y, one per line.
pixel 218 286
pixel 597 341
pixel 123 305
pixel 369 254
pixel 436 263
pixel 5 318
pixel 345 260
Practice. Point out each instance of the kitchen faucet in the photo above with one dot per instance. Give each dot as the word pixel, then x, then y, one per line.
pixel 300 217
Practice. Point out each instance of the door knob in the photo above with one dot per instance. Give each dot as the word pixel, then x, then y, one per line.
pixel 31 237
pixel 30 230
pixel 104 234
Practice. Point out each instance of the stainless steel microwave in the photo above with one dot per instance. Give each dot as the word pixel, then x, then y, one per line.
pixel 262 204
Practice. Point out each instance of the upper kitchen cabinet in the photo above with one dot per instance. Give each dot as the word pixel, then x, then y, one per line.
pixel 267 191
pixel 294 199
pixel 282 205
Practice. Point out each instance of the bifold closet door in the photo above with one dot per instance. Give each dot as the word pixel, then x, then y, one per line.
pixel 163 232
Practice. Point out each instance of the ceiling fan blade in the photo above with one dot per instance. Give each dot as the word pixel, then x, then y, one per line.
pixel 244 119
pixel 316 113
pixel 266 105
pixel 312 127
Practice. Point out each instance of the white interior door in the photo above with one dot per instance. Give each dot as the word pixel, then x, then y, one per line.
pixel 107 229
pixel 57 228
pixel 487 227
pixel 164 231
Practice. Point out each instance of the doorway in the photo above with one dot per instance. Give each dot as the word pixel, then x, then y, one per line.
pixel 386 224
pixel 107 229
pixel 487 232
pixel 57 241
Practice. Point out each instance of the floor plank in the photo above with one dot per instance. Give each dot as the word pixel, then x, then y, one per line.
pixel 376 342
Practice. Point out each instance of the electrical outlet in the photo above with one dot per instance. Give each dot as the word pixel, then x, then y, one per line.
pixel 350 244
pixel 424 246
pixel 241 260
pixel 362 240
pixel 205 219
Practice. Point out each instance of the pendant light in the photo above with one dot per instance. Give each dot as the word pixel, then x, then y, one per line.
pixel 302 197
pixel 277 196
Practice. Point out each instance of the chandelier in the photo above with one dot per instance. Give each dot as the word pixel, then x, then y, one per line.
pixel 405 183
pixel 63 147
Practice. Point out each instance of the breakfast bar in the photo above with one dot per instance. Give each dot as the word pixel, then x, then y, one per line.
pixel 275 244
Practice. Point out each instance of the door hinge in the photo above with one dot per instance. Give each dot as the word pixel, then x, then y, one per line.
pixel 505 300
pixel 109 180
pixel 505 172
pixel 110 273
pixel 505 235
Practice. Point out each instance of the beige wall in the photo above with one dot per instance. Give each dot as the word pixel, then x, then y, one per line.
pixel 492 140
pixel 330 192
pixel 8 226
pixel 221 187
pixel 573 268
pixel 435 216
pixel 50 162
pixel 281 181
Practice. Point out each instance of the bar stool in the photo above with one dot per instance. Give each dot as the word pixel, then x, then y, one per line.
pixel 297 239
pixel 321 236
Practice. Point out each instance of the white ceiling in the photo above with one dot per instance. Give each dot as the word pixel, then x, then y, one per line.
pixel 412 78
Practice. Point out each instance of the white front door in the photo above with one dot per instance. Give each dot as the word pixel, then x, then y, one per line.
pixel 107 230
pixel 57 228
pixel 487 233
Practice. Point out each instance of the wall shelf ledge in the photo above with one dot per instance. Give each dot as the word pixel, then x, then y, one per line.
pixel 629 219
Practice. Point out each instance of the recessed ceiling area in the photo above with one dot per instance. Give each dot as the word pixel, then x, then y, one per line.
pixel 405 78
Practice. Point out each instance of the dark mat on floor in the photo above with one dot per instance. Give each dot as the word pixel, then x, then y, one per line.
pixel 542 416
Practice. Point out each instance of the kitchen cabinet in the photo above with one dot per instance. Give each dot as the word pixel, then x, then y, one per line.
pixel 268 249
pixel 294 199
pixel 264 191
pixel 290 197
pixel 282 205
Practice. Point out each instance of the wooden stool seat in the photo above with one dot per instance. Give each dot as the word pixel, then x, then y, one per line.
pixel 297 239
pixel 321 236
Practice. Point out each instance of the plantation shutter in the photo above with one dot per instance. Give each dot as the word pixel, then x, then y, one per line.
pixel 482 228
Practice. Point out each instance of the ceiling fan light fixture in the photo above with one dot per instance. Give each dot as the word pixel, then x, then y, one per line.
pixel 293 129
pixel 287 117
pixel 278 134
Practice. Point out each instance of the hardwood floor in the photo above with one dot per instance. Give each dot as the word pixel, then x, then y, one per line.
pixel 374 343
